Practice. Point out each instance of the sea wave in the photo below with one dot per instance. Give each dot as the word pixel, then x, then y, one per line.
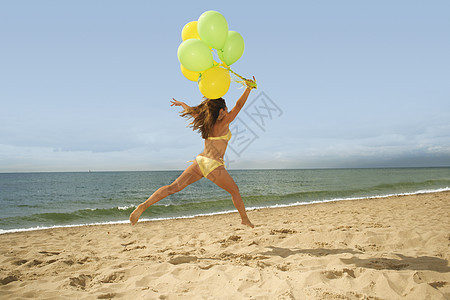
pixel 90 217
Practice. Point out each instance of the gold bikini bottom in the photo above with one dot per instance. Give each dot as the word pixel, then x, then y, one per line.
pixel 207 165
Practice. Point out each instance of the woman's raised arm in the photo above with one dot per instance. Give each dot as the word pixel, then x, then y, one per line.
pixel 241 101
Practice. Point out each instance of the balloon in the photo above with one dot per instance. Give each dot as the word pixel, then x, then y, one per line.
pixel 213 29
pixel 233 49
pixel 214 82
pixel 190 31
pixel 193 76
pixel 195 55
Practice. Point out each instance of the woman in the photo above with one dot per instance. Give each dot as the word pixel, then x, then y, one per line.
pixel 212 119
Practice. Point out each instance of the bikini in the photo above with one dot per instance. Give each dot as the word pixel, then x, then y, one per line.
pixel 206 164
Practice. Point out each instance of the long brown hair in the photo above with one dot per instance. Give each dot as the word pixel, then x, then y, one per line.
pixel 205 115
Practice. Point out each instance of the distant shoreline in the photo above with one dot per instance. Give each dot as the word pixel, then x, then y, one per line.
pixel 251 169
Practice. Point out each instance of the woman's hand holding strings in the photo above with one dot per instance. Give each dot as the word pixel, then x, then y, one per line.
pixel 251 84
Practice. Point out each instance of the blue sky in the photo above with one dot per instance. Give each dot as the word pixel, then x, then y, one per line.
pixel 87 84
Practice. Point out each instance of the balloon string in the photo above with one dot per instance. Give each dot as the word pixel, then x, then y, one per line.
pixel 244 81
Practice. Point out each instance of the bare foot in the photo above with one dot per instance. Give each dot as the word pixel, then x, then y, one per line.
pixel 134 217
pixel 248 223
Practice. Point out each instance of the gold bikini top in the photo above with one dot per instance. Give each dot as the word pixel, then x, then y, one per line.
pixel 223 137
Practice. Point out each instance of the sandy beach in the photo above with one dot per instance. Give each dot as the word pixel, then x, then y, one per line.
pixel 388 248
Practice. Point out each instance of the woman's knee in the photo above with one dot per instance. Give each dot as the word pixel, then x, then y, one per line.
pixel 234 191
pixel 174 187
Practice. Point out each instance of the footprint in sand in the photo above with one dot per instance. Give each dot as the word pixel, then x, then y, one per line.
pixel 282 231
pixel 283 267
pixel 182 260
pixel 8 279
pixel 338 274
pixel 33 263
pixel 230 240
pixel 114 277
pixel 20 262
pixel 81 281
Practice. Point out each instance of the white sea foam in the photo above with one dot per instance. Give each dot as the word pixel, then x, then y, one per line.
pixel 126 207
pixel 353 198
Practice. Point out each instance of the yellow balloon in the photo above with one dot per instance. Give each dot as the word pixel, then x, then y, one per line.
pixel 214 82
pixel 191 75
pixel 190 31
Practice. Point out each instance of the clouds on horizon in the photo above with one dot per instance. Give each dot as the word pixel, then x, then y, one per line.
pixel 159 151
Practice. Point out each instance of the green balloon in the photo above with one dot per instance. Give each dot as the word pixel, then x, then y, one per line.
pixel 234 48
pixel 194 55
pixel 212 28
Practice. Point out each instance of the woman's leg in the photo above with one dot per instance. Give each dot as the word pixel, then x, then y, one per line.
pixel 190 175
pixel 223 179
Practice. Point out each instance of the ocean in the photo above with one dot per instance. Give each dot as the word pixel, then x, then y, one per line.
pixel 31 201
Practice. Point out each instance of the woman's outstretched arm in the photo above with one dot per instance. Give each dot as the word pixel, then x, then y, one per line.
pixel 240 103
pixel 179 103
pixel 185 107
